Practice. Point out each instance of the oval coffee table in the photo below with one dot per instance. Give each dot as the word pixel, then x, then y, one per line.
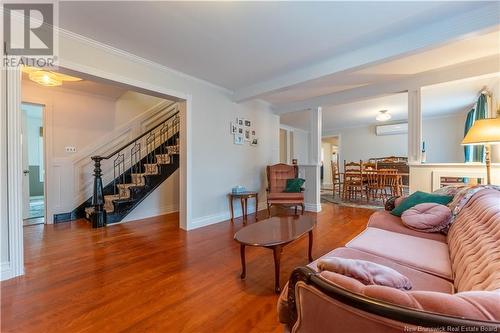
pixel 274 233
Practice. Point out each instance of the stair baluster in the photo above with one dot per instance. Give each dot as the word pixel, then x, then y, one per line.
pixel 135 162
pixel 159 142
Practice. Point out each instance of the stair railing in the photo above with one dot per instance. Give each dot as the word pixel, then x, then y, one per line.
pixel 128 163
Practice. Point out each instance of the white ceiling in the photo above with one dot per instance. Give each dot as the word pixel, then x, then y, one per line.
pixel 437 100
pixel 468 49
pixel 237 44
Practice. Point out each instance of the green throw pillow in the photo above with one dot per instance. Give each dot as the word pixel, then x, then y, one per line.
pixel 418 198
pixel 294 185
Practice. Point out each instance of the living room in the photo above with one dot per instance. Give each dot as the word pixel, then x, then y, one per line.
pixel 249 234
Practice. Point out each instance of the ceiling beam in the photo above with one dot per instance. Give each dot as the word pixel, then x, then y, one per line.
pixel 482 66
pixel 428 36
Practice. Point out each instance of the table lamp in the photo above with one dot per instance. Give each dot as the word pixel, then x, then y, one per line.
pixel 484 132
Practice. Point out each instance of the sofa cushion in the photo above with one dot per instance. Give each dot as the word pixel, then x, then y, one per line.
pixel 419 280
pixel 366 272
pixel 427 217
pixel 418 198
pixel 385 220
pixel 294 185
pixel 283 197
pixel 474 242
pixel 422 254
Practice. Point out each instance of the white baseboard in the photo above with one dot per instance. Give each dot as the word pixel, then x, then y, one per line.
pixel 208 220
pixel 316 208
pixel 5 271
pixel 163 210
pixel 204 221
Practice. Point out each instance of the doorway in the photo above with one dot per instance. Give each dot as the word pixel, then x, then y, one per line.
pixel 330 147
pixel 33 163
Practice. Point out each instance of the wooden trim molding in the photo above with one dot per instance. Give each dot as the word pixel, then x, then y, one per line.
pixel 380 308
pixel 14 175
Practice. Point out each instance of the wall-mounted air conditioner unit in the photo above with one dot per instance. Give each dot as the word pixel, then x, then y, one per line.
pixel 392 129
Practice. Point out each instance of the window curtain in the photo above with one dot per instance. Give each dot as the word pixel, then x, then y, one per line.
pixel 481 113
pixel 468 124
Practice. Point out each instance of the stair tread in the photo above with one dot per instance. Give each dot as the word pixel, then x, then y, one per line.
pixel 117 206
pixel 127 185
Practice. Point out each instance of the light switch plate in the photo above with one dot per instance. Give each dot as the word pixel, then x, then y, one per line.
pixel 70 149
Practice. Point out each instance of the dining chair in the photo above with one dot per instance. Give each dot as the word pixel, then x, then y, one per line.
pixel 373 185
pixel 336 178
pixel 390 181
pixel 353 180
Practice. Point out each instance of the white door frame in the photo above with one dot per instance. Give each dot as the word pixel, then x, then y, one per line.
pixel 15 265
pixel 44 153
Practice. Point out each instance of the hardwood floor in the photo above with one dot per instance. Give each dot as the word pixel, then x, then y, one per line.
pixel 151 276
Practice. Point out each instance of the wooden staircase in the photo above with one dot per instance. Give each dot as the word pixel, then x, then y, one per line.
pixel 139 167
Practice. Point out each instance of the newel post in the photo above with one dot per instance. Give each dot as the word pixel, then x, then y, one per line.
pixel 98 216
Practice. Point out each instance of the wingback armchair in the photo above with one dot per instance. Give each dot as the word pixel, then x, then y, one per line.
pixel 276 181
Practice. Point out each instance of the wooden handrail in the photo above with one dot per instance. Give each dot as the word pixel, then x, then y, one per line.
pixel 98 216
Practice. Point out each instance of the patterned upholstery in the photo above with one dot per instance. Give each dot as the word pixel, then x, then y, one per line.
pixel 276 179
pixel 473 242
pixel 278 174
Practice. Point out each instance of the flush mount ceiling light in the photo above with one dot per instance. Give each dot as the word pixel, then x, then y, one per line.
pixel 383 115
pixel 48 78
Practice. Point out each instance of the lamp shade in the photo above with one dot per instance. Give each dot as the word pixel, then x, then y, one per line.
pixel 484 131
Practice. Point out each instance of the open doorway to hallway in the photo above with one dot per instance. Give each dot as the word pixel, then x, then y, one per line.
pixel 329 161
pixel 33 161
pixel 134 132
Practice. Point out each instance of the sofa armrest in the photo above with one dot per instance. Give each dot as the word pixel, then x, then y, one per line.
pixel 381 308
pixel 390 204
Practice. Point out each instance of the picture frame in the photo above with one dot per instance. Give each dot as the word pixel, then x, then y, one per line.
pixel 240 121
pixel 233 128
pixel 247 135
pixel 254 142
pixel 238 139
pixel 248 123
pixel 240 131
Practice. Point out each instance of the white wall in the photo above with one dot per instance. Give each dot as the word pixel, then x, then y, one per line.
pixel 301 141
pixel 163 200
pixel 215 164
pixel 131 104
pixel 92 123
pixel 77 119
pixel 443 137
pixel 301 146
pixel 219 164
pixel 361 143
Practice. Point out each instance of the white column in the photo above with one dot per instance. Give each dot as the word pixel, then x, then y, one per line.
pixel 414 126
pixel 12 93
pixel 185 165
pixel 311 171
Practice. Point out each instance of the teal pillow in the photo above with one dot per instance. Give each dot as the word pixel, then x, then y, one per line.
pixel 294 185
pixel 418 198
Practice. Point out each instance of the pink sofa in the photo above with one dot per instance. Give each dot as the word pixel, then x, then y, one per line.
pixel 455 278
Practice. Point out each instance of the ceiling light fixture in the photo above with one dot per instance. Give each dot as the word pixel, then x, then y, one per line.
pixel 383 115
pixel 48 78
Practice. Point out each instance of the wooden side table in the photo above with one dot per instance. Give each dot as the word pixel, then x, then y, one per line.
pixel 243 196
